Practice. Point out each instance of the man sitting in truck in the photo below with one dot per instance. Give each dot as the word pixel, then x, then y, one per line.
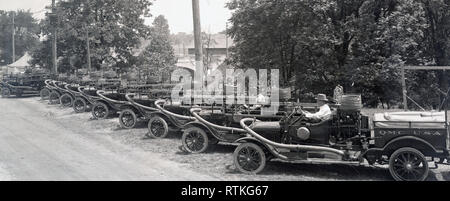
pixel 324 112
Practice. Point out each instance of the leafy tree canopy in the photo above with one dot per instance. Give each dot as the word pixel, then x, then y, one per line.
pixel 26 34
pixel 158 57
pixel 355 43
pixel 114 29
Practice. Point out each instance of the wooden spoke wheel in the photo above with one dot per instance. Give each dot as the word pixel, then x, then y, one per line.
pixel 157 127
pixel 66 100
pixel 249 158
pixel 45 94
pixel 54 97
pixel 127 119
pixel 408 164
pixel 6 93
pixel 195 140
pixel 79 105
pixel 100 111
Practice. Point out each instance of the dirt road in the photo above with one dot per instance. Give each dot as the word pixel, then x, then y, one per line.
pixel 35 145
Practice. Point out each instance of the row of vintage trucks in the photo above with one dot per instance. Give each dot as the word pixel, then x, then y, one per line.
pixel 407 142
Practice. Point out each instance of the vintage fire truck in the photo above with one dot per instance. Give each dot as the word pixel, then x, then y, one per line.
pixel 405 141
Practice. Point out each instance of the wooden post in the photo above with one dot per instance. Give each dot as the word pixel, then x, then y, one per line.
pixel 226 38
pixel 13 38
pixel 197 36
pixel 445 104
pixel 54 50
pixel 405 100
pixel 199 69
pixel 88 50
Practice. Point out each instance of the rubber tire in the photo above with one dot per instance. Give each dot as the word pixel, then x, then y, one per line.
pixel 45 94
pixel 69 98
pixel 6 93
pixel 133 114
pixel 75 104
pixel 407 149
pixel 203 135
pixel 165 126
pixel 256 148
pixel 54 100
pixel 100 105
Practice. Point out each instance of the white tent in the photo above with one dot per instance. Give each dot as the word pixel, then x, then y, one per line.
pixel 20 65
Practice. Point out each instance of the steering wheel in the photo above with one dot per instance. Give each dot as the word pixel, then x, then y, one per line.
pixel 299 110
pixel 241 108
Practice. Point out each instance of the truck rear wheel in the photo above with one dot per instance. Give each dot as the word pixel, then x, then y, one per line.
pixel 408 164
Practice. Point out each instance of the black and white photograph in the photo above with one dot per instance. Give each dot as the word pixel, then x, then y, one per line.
pixel 224 90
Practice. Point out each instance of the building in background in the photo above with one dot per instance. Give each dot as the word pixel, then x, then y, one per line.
pixel 215 51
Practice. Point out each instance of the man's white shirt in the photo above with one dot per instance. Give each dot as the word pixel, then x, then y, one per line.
pixel 324 113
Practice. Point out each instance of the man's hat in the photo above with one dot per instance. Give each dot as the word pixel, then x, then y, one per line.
pixel 321 97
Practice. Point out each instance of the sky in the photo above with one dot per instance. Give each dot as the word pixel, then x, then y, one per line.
pixel 213 13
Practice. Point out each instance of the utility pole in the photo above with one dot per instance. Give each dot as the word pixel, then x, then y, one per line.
pixel 54 52
pixel 226 36
pixel 88 49
pixel 404 92
pixel 199 69
pixel 197 37
pixel 13 38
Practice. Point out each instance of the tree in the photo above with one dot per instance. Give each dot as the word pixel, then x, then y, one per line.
pixel 264 33
pixel 435 44
pixel 181 40
pixel 26 34
pixel 319 44
pixel 159 57
pixel 208 42
pixel 114 29
pixel 388 37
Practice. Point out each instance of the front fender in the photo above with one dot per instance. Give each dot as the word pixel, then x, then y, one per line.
pixel 198 124
pixel 245 139
pixel 158 113
pixel 129 106
pixel 270 150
